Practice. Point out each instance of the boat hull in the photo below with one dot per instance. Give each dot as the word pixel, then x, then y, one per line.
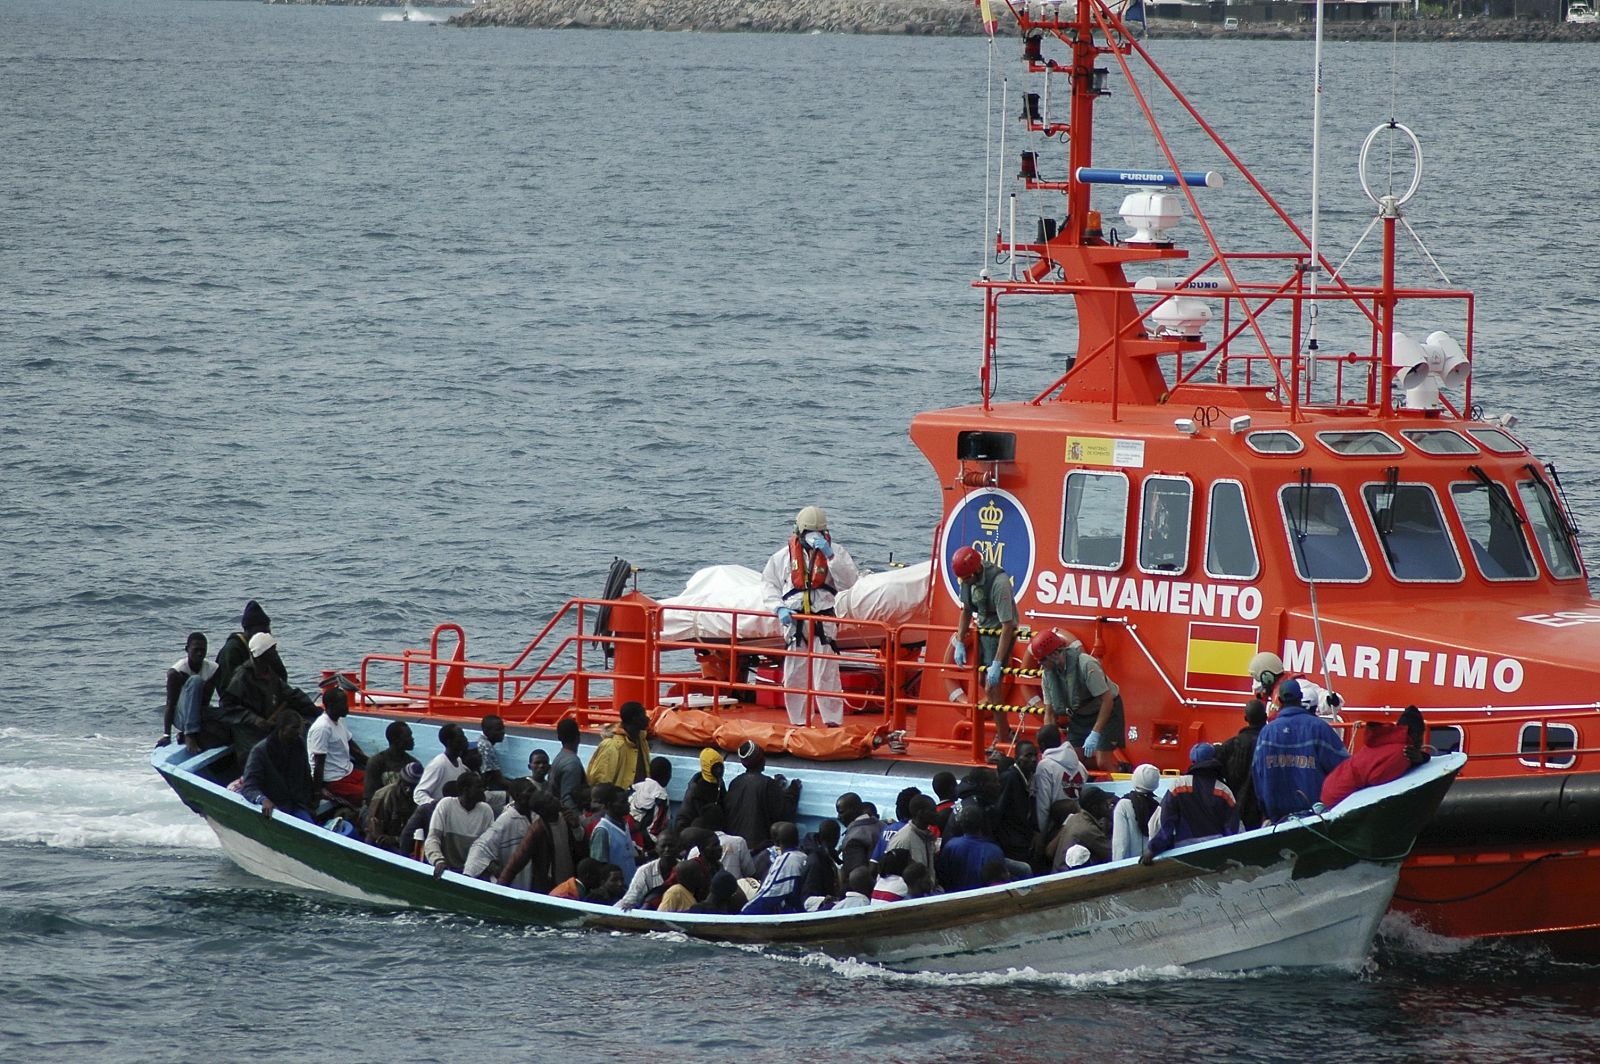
pixel 1303 895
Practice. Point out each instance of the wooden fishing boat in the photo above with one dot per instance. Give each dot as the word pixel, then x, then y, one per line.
pixel 1306 894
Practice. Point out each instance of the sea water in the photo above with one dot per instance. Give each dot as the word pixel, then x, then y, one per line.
pixel 386 325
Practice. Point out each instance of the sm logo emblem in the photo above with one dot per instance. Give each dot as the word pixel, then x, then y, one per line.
pixel 993 523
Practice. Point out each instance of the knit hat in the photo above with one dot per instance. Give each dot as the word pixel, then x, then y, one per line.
pixel 1147 777
pixel 411 775
pixel 255 618
pixel 1411 720
pixel 710 758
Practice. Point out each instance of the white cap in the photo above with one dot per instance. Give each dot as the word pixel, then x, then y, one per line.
pixel 260 643
pixel 811 519
pixel 1077 856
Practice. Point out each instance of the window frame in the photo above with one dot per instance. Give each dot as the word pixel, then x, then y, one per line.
pixel 1322 438
pixel 1061 538
pixel 1444 525
pixel 1577 555
pixel 1478 434
pixel 1561 759
pixel 1460 734
pixel 1477 567
pixel 1409 434
pixel 1188 534
pixel 1249 524
pixel 1275 432
pixel 1288 532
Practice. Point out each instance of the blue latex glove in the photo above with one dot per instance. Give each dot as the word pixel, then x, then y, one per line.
pixel 961 654
pixel 817 541
pixel 1091 744
pixel 993 676
pixel 785 616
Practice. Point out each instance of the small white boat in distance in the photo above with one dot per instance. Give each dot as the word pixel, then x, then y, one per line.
pixel 1580 13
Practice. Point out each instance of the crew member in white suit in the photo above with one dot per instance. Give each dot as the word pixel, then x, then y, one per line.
pixel 802 577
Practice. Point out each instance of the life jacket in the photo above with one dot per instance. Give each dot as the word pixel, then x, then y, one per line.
pixel 808 568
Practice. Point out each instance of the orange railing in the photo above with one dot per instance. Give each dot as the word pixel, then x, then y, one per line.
pixel 567 670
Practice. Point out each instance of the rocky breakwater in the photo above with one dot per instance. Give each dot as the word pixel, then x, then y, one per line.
pixel 952 18
pixel 1472 29
pixel 926 17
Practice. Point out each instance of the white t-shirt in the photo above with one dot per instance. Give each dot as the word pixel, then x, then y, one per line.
pixel 330 738
pixel 438 772
pixel 208 668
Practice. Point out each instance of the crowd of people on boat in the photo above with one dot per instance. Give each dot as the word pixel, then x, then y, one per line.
pixel 606 831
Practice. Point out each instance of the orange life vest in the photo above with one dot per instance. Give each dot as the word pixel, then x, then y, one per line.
pixel 808 568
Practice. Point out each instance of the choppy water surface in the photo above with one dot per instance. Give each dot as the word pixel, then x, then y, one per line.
pixel 388 324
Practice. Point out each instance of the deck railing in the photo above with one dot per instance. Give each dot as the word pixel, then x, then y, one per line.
pixel 569 670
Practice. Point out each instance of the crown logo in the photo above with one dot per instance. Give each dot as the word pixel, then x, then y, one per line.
pixel 990 517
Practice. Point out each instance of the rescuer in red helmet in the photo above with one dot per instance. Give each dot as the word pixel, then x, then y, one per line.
pixel 1082 701
pixel 987 596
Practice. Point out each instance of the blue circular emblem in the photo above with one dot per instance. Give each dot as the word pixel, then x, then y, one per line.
pixel 993 523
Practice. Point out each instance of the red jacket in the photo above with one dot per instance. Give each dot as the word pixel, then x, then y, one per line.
pixel 1381 758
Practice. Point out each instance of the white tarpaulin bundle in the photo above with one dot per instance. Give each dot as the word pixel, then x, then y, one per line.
pixel 898 596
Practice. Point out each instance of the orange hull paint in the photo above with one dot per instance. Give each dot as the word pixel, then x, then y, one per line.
pixel 1547 891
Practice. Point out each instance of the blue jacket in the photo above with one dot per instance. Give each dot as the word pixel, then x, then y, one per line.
pixel 1294 754
pixel 784 889
pixel 961 862
pixel 1195 807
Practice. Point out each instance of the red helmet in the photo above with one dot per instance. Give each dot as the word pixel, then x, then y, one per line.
pixel 1046 643
pixel 966 564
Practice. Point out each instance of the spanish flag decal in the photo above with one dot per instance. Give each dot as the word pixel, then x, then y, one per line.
pixel 1219 657
pixel 989 23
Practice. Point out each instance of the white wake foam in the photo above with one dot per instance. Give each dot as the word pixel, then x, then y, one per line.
pixel 79 792
pixel 1402 931
pixel 852 968
pixel 416 16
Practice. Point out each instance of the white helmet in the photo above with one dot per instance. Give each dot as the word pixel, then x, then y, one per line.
pixel 1265 668
pixel 811 519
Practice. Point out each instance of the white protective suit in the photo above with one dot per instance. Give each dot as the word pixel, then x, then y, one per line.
pixel 800 671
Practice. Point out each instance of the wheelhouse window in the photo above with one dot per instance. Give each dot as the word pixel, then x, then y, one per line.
pixel 1230 545
pixel 1164 524
pixel 1446 738
pixel 1321 534
pixel 1494 528
pixel 1551 529
pixel 1360 442
pixel 1439 441
pixel 1497 441
pixel 1548 745
pixel 1094 520
pixel 1411 532
pixel 1274 442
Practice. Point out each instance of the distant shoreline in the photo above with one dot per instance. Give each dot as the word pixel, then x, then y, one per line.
pixel 930 18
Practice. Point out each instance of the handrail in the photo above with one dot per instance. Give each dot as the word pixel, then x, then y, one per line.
pixel 562 683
